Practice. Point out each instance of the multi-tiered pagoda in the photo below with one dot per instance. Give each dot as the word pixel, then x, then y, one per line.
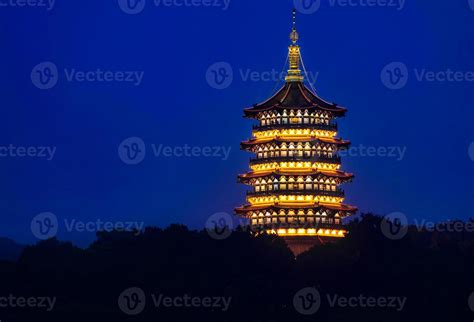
pixel 295 174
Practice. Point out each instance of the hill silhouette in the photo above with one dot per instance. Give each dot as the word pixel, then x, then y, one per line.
pixel 245 278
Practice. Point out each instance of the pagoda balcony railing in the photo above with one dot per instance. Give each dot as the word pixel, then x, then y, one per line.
pixel 321 126
pixel 334 159
pixel 295 224
pixel 337 193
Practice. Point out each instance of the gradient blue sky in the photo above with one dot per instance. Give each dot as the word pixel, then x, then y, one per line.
pixel 174 105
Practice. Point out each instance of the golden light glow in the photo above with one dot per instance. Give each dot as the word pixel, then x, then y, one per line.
pixel 294 133
pixel 294 200
pixel 294 166
pixel 294 73
pixel 309 232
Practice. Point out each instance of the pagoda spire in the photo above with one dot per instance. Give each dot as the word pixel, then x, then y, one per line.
pixel 294 55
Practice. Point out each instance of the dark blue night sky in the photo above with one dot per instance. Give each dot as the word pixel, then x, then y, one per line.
pixel 174 43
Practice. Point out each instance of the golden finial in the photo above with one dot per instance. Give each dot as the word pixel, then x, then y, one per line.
pixel 294 73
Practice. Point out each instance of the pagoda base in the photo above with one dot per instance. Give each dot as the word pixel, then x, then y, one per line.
pixel 299 245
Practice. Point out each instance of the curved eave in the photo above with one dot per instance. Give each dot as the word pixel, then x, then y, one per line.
pixel 339 207
pixel 253 142
pixel 331 174
pixel 294 95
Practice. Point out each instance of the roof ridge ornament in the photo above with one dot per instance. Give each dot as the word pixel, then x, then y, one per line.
pixel 294 72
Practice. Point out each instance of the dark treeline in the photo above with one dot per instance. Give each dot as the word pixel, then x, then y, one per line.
pixel 260 276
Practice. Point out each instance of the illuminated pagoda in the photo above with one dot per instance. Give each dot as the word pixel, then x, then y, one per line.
pixel 295 174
